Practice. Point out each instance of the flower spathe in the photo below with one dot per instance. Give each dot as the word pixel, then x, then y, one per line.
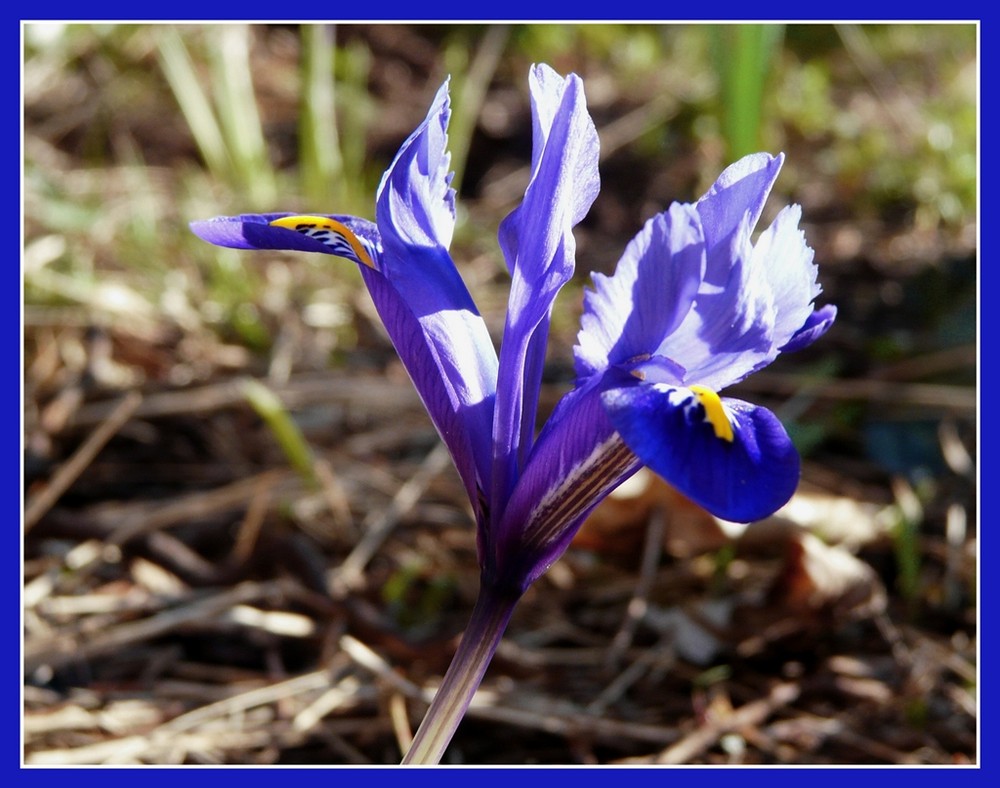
pixel 692 307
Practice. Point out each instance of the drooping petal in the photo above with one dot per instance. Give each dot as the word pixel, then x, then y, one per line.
pixel 577 460
pixel 629 315
pixel 344 236
pixel 538 244
pixel 730 457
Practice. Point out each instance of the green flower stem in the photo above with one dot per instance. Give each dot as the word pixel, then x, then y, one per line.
pixel 479 642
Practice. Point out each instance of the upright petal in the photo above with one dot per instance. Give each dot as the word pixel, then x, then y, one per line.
pixel 426 306
pixel 415 200
pixel 436 351
pixel 754 298
pixel 782 258
pixel 731 457
pixel 629 315
pixel 728 334
pixel 427 310
pixel 537 241
pixel 740 191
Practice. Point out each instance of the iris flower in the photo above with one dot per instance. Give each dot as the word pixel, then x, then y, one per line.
pixel 693 306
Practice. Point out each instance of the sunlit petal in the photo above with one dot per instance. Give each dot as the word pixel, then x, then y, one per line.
pixel 627 317
pixel 538 244
pixel 343 236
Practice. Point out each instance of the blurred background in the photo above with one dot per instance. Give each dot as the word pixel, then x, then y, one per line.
pixel 243 541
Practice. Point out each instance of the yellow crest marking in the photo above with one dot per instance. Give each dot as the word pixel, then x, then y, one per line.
pixel 715 413
pixel 330 232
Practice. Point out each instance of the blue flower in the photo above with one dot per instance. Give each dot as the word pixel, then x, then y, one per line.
pixel 693 306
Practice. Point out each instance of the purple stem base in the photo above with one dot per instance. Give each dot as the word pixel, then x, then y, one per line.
pixel 489 619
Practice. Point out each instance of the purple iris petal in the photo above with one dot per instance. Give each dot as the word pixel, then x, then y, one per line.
pixel 737 195
pixel 416 216
pixel 743 479
pixel 749 303
pixel 538 244
pixel 415 204
pixel 577 460
pixel 727 334
pixel 782 257
pixel 627 316
pixel 817 324
pixel 255 231
pixel 737 329
pixel 443 335
pixel 434 364
pixel 427 310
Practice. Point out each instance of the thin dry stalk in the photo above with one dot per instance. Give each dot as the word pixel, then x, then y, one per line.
pixel 63 649
pixel 70 471
pixel 639 602
pixel 750 715
pixel 142 518
pixel 380 524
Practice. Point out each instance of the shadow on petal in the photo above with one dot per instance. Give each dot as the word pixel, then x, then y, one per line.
pixel 745 479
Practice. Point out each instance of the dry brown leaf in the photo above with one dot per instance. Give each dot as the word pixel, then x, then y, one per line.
pixel 826 579
pixel 618 525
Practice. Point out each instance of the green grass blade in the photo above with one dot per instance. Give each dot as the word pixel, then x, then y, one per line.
pixel 238 114
pixel 320 161
pixel 743 55
pixel 290 438
pixel 178 68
